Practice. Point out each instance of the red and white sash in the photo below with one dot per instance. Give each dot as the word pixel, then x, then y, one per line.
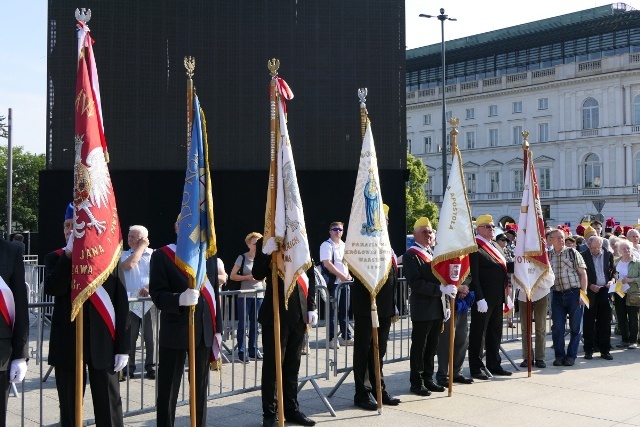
pixel 7 303
pixel 394 262
pixel 303 281
pixel 421 253
pixel 209 296
pixel 493 252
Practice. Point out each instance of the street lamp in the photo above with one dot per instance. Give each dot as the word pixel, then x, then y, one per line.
pixel 442 17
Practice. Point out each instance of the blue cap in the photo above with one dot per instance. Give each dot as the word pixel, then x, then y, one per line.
pixel 69 212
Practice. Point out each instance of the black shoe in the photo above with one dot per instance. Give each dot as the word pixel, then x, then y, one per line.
pixel 300 419
pixel 500 371
pixel 588 355
pixel 606 356
pixel 367 405
pixel 151 374
pixel 431 386
pixel 271 421
pixel 480 376
pixel 387 399
pixel 559 361
pixel 540 363
pixel 569 361
pixel 420 390
pixel 444 382
pixel 257 356
pixel 461 379
pixel 524 363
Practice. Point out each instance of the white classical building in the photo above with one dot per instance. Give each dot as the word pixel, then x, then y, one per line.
pixel 572 82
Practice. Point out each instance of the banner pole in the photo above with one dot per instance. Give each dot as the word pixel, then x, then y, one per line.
pixel 525 149
pixel 79 366
pixel 452 301
pixel 376 352
pixel 273 66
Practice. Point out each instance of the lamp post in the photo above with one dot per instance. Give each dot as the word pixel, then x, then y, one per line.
pixel 9 177
pixel 442 17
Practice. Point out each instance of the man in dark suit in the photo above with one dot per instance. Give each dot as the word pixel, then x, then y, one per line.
pixel 102 354
pixel 293 325
pixel 170 292
pixel 363 362
pixel 597 318
pixel 489 270
pixel 14 324
pixel 428 308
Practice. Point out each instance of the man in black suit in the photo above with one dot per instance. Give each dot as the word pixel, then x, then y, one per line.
pixel 489 270
pixel 293 325
pixel 14 333
pixel 102 354
pixel 428 308
pixel 597 318
pixel 170 292
pixel 363 362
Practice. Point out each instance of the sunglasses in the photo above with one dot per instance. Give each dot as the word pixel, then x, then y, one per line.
pixel 336 229
pixel 488 226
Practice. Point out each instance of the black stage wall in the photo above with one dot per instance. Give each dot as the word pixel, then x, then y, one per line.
pixel 152 199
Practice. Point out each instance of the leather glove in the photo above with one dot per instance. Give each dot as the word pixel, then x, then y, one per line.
pixel 120 361
pixel 449 290
pixel 447 314
pixel 483 307
pixel 270 246
pixel 625 287
pixel 17 370
pixel 189 297
pixel 312 317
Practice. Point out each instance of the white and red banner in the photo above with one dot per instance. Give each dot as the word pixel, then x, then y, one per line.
pixel 532 271
pixel 97 240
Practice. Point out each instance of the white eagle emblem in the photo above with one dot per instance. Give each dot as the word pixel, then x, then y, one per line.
pixel 92 186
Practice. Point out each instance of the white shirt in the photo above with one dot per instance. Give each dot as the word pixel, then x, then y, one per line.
pixel 138 276
pixel 327 248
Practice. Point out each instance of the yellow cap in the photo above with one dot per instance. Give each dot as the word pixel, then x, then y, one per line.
pixel 385 209
pixel 484 220
pixel 423 221
pixel 589 231
pixel 637 226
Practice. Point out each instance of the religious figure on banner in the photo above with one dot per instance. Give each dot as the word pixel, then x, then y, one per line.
pixel 372 208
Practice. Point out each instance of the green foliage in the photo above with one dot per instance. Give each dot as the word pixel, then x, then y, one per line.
pixel 4 132
pixel 417 204
pixel 26 167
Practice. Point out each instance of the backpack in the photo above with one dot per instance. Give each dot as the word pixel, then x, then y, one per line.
pixel 235 285
pixel 329 278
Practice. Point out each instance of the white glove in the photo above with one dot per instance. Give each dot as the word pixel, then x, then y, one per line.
pixel 625 287
pixel 449 290
pixel 17 370
pixel 396 312
pixel 69 248
pixel 120 362
pixel 447 314
pixel 312 317
pixel 189 297
pixel 483 307
pixel 270 246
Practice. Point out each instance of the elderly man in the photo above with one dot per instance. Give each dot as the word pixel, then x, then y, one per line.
pixel 633 236
pixel 489 278
pixel 571 278
pixel 597 318
pixel 428 308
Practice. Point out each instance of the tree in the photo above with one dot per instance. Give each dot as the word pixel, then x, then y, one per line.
pixel 4 132
pixel 26 167
pixel 417 204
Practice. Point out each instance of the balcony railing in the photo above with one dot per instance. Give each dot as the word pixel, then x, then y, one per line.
pixel 590 132
pixel 590 65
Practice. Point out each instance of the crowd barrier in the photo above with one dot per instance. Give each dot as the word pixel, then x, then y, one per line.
pixel 29 399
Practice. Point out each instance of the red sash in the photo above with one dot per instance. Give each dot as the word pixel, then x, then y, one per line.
pixel 493 253
pixel 394 262
pixel 421 253
pixel 303 281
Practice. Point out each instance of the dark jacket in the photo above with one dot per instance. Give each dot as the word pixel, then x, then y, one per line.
pixel 488 277
pixel 361 297
pixel 426 298
pixel 14 343
pixel 166 283
pixel 99 347
pixel 592 279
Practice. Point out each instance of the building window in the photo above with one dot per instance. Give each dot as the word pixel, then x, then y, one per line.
pixel 409 145
pixel 544 179
pixel 517 107
pixel 471 140
pixel 448 143
pixel 517 135
pixel 493 138
pixel 543 132
pixel 429 188
pixel 543 103
pixel 590 114
pixel 426 119
pixel 448 115
pixel 493 110
pixel 592 171
pixel 494 182
pixel 427 144
pixel 417 148
pixel 471 113
pixel 637 164
pixel 518 180
pixel 470 181
pixel 636 110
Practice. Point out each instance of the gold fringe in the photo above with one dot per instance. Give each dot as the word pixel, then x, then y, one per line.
pixel 212 248
pixel 304 267
pixel 215 365
pixel 379 285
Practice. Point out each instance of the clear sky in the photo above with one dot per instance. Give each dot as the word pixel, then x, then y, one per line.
pixel 23 47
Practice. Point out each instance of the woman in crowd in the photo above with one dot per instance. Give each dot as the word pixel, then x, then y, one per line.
pixel 248 304
pixel 629 274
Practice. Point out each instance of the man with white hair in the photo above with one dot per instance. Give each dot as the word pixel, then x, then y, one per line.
pixel 135 264
pixel 633 236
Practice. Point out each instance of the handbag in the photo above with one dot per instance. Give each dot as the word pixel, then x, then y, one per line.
pixel 235 285
pixel 633 299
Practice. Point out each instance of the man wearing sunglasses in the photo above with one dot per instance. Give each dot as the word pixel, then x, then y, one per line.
pixel 489 273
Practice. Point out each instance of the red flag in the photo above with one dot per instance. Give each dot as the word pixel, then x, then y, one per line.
pixel 97 240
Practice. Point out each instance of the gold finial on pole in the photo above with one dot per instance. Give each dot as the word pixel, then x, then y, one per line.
pixel 362 95
pixel 273 65
pixel 525 139
pixel 454 122
pixel 190 66
pixel 83 15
